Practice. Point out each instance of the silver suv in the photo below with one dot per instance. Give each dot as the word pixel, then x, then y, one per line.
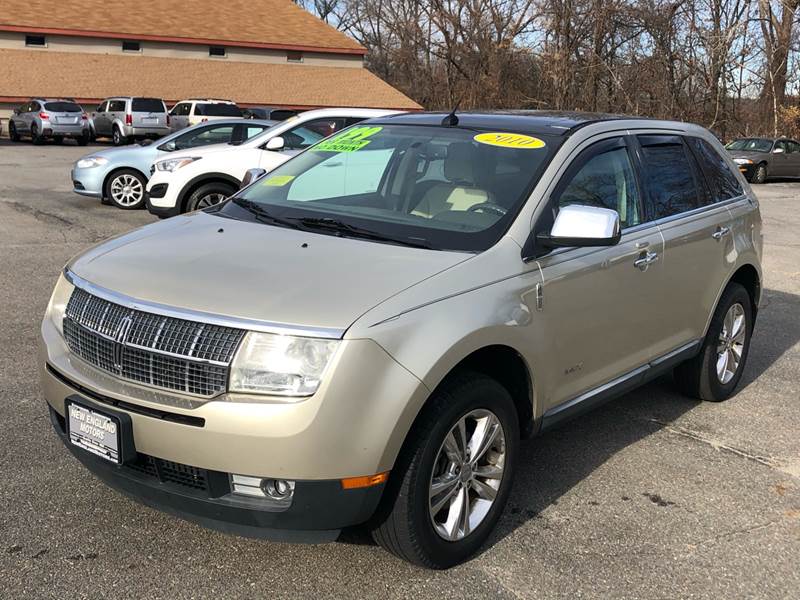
pixel 365 334
pixel 55 119
pixel 125 119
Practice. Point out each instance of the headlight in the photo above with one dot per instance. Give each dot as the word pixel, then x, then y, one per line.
pixel 58 302
pixel 280 365
pixel 173 164
pixel 91 161
pixel 743 161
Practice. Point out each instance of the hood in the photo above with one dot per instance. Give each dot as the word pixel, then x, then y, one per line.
pixel 751 154
pixel 210 150
pixel 255 271
pixel 123 153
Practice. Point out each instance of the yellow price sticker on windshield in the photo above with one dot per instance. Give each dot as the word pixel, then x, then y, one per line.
pixel 279 180
pixel 509 140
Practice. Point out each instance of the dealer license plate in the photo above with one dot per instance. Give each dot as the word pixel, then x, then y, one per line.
pixel 94 431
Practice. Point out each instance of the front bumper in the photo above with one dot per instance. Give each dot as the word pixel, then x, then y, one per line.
pixel 747 170
pixel 88 182
pixel 165 202
pixel 319 509
pixel 353 426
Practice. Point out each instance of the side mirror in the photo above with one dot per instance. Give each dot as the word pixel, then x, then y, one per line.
pixel 778 151
pixel 252 175
pixel 579 225
pixel 275 144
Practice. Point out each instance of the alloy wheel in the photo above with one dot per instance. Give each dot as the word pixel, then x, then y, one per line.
pixel 467 473
pixel 209 200
pixel 731 343
pixel 127 190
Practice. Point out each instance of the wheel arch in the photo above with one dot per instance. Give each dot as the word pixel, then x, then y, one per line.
pixel 203 179
pixel 748 275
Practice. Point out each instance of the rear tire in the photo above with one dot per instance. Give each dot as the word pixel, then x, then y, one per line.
pixel 13 134
pixel 36 137
pixel 84 139
pixel 715 372
pixel 411 522
pixel 207 195
pixel 760 175
pixel 118 138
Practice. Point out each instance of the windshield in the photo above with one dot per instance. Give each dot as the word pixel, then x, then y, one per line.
pixel 751 145
pixel 70 107
pixel 438 187
pixel 217 110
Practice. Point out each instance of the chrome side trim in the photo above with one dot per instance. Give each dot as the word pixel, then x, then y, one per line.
pixel 200 316
pixel 624 383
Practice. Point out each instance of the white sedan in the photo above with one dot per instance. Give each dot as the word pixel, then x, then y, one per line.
pixel 203 177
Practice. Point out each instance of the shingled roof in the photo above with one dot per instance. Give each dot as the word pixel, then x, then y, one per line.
pixel 248 23
pixel 25 73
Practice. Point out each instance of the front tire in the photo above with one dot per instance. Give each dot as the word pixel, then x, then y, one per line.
pixel 208 195
pixel 454 474
pixel 715 372
pixel 13 134
pixel 760 175
pixel 125 189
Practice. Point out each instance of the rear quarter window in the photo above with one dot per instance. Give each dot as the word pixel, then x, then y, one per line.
pixel 148 105
pixel 722 182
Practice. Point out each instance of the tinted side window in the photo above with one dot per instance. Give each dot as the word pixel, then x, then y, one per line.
pixel 181 110
pixel 310 133
pixel 721 180
pixel 606 180
pixel 669 177
pixel 116 106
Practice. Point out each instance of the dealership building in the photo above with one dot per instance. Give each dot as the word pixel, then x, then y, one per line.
pixel 255 52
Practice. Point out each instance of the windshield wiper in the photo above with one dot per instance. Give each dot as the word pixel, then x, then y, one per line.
pixel 344 229
pixel 262 215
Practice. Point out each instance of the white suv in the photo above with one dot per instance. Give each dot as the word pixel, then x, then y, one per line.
pixel 199 110
pixel 206 176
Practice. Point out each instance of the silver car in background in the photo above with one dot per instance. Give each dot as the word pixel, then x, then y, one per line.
pixel 119 176
pixel 55 119
pixel 125 119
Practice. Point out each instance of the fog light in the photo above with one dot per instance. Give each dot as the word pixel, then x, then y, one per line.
pixel 278 491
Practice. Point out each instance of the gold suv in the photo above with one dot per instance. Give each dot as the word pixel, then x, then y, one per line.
pixel 364 335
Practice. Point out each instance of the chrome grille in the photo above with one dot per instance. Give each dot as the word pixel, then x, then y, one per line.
pixel 161 351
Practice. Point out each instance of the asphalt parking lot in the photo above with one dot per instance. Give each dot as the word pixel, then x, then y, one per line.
pixel 652 496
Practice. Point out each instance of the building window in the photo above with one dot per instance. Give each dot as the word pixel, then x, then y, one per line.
pixel 131 46
pixel 35 40
pixel 217 51
pixel 294 56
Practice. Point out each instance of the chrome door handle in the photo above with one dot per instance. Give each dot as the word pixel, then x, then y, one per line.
pixel 721 232
pixel 645 261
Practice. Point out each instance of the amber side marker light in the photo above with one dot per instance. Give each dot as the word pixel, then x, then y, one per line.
pixel 352 483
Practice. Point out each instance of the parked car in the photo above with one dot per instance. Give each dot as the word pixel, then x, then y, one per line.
pixel 268 112
pixel 56 119
pixel 119 175
pixel 188 181
pixel 307 357
pixel 760 158
pixel 126 119
pixel 196 110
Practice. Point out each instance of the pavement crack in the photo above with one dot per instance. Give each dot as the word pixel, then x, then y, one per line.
pixel 40 215
pixel 767 461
